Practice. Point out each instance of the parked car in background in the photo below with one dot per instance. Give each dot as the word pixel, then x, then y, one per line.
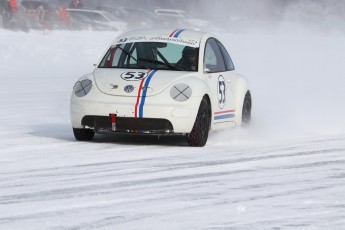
pixel 181 19
pixel 134 17
pixel 82 22
pixel 98 20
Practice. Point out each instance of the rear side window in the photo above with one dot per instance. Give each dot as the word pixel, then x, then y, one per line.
pixel 227 59
pixel 213 58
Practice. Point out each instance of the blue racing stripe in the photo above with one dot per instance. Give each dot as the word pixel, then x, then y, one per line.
pixel 143 96
pixel 224 116
pixel 178 33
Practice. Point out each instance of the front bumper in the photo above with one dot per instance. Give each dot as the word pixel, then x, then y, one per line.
pixel 160 115
pixel 128 124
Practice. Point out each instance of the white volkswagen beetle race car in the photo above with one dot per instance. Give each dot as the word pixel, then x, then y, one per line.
pixel 161 82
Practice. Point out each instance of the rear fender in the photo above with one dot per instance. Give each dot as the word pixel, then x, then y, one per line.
pixel 243 88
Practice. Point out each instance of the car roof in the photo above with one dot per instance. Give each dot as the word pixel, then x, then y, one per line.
pixel 85 10
pixel 169 12
pixel 168 35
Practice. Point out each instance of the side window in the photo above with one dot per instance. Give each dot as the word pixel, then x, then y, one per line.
pixel 115 56
pixel 210 57
pixel 94 16
pixel 98 17
pixel 227 59
pixel 213 59
pixel 112 58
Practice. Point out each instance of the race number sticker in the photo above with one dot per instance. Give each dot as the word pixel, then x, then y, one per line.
pixel 133 76
pixel 221 91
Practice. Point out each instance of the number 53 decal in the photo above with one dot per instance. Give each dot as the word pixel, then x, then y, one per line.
pixel 221 91
pixel 133 76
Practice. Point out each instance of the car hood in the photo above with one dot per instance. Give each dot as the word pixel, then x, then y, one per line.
pixel 130 82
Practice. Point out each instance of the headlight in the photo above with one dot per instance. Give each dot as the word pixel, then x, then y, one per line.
pixel 81 88
pixel 180 92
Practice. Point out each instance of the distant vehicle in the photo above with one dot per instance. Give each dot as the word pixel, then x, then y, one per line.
pixel 134 17
pixel 161 82
pixel 99 20
pixel 82 22
pixel 137 21
pixel 182 19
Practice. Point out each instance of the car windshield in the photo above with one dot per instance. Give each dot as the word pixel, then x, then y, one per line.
pixel 151 55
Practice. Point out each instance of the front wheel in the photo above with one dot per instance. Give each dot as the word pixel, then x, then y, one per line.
pixel 83 134
pixel 199 134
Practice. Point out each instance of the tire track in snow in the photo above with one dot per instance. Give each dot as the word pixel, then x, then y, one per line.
pixel 254 177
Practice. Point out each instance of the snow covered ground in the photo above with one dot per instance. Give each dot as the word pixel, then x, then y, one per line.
pixel 286 171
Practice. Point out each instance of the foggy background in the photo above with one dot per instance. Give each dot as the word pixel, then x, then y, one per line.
pixel 320 15
pixel 236 16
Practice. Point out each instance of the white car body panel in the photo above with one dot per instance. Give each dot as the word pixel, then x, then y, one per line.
pixel 147 93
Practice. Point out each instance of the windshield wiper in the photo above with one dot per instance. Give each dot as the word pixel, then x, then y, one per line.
pixel 160 63
pixel 131 56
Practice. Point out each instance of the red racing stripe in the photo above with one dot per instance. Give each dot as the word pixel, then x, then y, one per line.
pixel 139 92
pixel 227 111
pixel 172 34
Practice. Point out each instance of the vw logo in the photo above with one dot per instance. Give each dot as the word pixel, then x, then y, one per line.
pixel 129 88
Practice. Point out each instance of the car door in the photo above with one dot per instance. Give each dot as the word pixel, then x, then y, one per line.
pixel 220 81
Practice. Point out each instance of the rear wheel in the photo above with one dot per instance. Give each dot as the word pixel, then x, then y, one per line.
pixel 246 110
pixel 199 134
pixel 83 134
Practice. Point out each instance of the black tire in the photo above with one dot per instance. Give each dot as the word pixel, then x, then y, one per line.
pixel 247 110
pixel 199 134
pixel 83 134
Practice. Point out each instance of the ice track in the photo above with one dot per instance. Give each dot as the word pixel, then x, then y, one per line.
pixel 288 185
pixel 277 174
